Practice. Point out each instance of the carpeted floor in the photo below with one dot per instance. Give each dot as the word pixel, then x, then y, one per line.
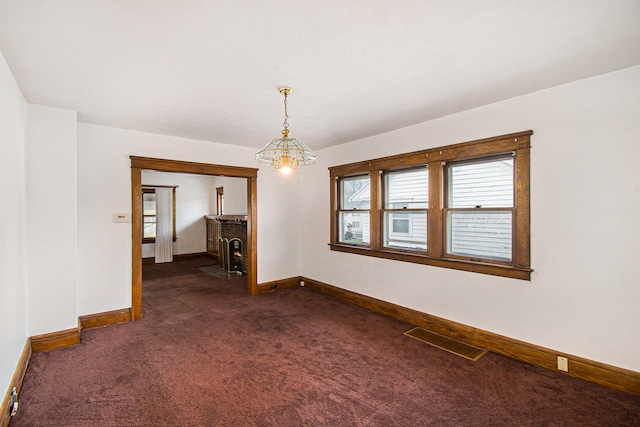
pixel 205 354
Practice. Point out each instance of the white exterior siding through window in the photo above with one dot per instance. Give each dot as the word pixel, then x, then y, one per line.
pixel 409 191
pixel 478 231
pixel 355 201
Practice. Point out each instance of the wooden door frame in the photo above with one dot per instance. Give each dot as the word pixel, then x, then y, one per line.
pixel 146 163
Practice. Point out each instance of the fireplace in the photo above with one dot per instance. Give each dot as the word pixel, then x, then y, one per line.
pixel 230 257
pixel 231 242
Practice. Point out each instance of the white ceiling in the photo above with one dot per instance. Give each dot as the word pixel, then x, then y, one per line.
pixel 210 70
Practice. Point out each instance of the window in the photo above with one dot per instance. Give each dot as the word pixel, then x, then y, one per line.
pixel 463 206
pixel 149 214
pixel 406 199
pixel 353 212
pixel 480 207
pixel 219 200
pixel 399 225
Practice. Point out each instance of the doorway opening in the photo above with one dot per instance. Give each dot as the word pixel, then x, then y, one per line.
pixel 138 164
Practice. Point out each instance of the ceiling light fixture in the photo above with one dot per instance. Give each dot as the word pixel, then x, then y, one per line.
pixel 285 153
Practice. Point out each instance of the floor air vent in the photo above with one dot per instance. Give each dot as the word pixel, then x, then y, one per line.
pixel 456 347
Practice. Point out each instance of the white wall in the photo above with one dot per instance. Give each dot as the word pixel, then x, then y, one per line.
pixel 193 201
pixel 583 297
pixel 51 219
pixel 13 225
pixel 585 196
pixel 235 194
pixel 196 197
pixel 104 189
pixel 279 225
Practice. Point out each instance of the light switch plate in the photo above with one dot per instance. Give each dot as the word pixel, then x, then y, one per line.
pixel 123 217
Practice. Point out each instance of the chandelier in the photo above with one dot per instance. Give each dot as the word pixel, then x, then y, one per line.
pixel 286 154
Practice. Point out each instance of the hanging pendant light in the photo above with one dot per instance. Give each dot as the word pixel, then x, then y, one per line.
pixel 286 154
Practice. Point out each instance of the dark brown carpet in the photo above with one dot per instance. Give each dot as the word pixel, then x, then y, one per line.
pixel 205 354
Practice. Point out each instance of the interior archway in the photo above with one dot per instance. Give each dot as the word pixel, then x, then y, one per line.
pixel 162 165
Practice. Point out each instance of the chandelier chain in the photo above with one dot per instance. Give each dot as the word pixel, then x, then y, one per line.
pixel 286 114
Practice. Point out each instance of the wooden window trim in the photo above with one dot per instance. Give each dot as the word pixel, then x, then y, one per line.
pixel 435 159
pixel 219 200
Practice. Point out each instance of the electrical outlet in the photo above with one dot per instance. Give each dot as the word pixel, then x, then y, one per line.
pixel 13 406
pixel 563 364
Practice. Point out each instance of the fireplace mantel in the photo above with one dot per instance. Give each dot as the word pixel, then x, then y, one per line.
pixel 227 218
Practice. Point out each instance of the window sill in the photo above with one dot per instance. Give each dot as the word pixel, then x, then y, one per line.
pixel 456 264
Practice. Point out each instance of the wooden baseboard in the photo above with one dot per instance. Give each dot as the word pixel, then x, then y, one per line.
pixel 267 287
pixel 600 373
pixel 55 340
pixel 106 318
pixel 180 257
pixel 69 337
pixel 16 381
pixel 191 256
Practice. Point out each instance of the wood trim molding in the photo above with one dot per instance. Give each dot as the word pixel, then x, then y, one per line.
pixel 193 255
pixel 55 340
pixel 375 214
pixel 436 203
pixel 136 243
pixel 455 264
pixel 163 165
pixel 267 287
pixel 151 187
pixel 522 221
pixel 438 160
pixel 589 370
pixel 152 260
pixel 252 235
pixel 106 318
pixel 16 381
pixel 458 151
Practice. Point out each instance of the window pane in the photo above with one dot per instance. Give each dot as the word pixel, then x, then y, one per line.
pixel 355 193
pixel 482 234
pixel 149 230
pixel 354 227
pixel 148 203
pixel 405 230
pixel 407 189
pixel 400 223
pixel 488 184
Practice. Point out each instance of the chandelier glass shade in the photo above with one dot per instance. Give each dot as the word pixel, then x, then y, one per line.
pixel 286 154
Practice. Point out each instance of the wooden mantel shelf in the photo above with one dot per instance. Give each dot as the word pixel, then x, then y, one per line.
pixel 227 218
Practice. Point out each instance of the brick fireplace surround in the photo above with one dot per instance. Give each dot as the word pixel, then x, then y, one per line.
pixel 235 226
